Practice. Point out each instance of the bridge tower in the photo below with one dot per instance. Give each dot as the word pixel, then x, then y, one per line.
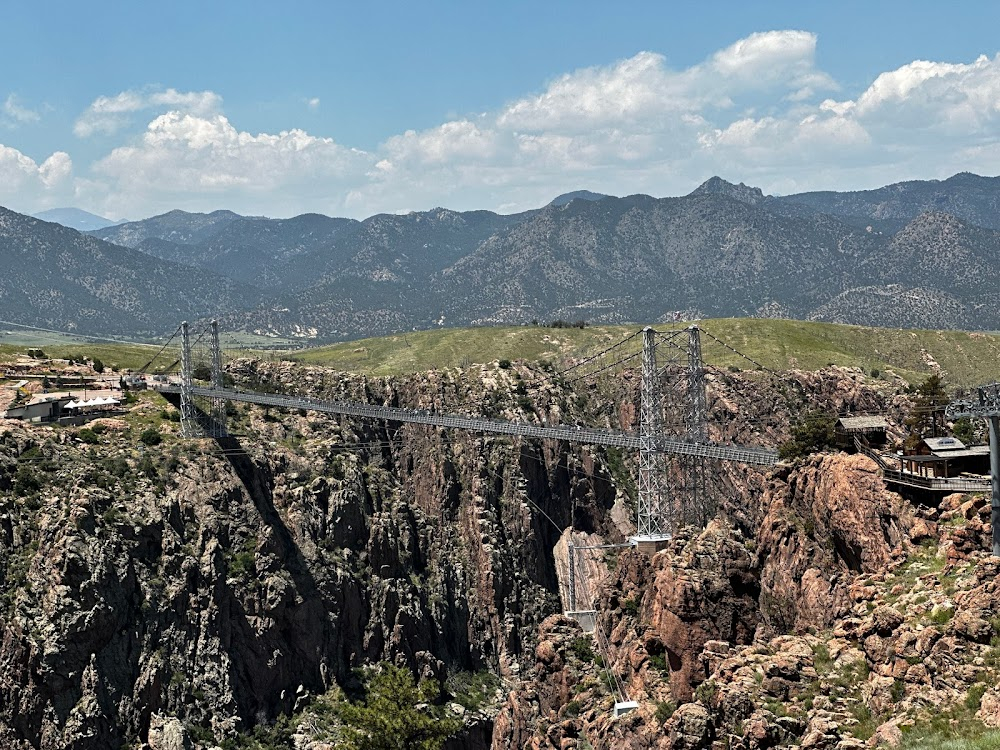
pixel 217 425
pixel 189 422
pixel 697 506
pixel 654 516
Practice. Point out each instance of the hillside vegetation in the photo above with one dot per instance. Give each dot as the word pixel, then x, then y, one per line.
pixel 964 358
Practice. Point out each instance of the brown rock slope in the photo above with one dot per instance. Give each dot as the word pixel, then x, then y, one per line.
pixel 849 622
pixel 194 589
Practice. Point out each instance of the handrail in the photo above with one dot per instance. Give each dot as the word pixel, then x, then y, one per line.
pixel 570 433
pixel 896 476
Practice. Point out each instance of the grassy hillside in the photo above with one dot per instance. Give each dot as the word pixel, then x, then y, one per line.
pixel 965 358
pixel 130 356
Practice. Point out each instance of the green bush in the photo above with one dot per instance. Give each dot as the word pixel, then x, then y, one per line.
pixel 974 697
pixel 583 649
pixel 814 433
pixel 151 436
pixel 664 710
pixel 26 482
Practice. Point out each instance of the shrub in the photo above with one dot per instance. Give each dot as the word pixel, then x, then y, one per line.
pixel 151 436
pixel 87 435
pixel 974 697
pixel 582 648
pixel 705 692
pixel 26 481
pixel 813 433
pixel 664 710
pixel 505 364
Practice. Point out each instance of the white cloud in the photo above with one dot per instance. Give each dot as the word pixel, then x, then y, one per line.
pixel 313 103
pixel 949 98
pixel 109 114
pixel 16 114
pixel 182 158
pixel 29 186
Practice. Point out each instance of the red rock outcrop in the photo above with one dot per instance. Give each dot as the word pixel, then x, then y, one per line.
pixel 826 520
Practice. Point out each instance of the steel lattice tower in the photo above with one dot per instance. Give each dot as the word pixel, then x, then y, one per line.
pixel 697 509
pixel 217 428
pixel 189 422
pixel 654 519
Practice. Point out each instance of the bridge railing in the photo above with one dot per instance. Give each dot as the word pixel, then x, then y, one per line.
pixel 569 433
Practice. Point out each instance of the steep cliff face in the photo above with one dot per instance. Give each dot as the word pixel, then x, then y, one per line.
pixel 826 521
pixel 193 589
pixel 221 584
pixel 848 620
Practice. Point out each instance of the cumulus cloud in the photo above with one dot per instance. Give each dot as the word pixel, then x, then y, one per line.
pixel 183 157
pixel 25 184
pixel 109 114
pixel 949 98
pixel 15 113
pixel 313 103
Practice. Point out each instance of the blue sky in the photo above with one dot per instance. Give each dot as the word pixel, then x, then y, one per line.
pixel 131 109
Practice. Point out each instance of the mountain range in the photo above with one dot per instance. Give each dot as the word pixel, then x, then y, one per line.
pixel 913 254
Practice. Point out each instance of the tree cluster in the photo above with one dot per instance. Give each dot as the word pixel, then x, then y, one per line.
pixel 814 433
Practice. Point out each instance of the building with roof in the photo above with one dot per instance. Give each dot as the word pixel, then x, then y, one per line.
pixel 871 430
pixel 43 409
pixel 945 457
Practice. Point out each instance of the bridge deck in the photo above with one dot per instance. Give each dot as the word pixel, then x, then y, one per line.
pixel 569 433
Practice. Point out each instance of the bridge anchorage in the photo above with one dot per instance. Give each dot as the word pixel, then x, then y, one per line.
pixel 673 357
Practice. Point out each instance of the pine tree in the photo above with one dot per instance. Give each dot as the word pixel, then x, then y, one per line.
pixel 397 714
pixel 928 407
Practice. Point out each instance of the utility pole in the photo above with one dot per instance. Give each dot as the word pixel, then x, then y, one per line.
pixel 986 406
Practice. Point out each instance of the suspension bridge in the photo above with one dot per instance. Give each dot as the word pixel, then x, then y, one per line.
pixel 671 368
pixel 659 354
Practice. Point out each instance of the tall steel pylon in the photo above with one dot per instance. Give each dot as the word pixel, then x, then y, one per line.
pixel 189 422
pixel 217 428
pixel 698 508
pixel 654 516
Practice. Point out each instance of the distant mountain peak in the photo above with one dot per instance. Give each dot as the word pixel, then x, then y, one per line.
pixel 75 218
pixel 718 186
pixel 577 195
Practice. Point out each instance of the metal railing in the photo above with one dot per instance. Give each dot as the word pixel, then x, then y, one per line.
pixel 569 433
pixel 897 476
